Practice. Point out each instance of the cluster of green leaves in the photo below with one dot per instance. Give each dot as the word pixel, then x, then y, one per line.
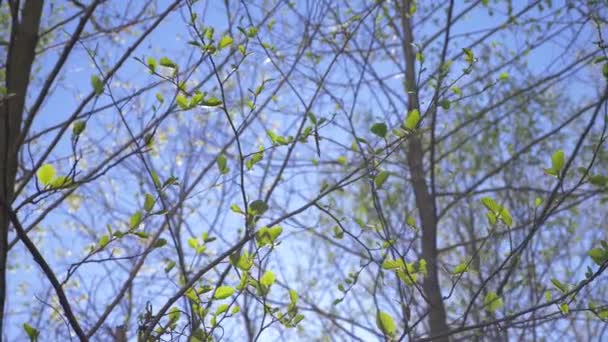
pixel 497 212
pixel 492 301
pixel 557 164
pixel 407 272
pixel 200 245
pixel 47 176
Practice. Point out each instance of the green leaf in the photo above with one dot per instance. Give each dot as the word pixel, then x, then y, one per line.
pixel 258 207
pixel 381 178
pixel 79 127
pixel 267 236
pixel 166 62
pixel 97 85
pixel 46 174
pixel 557 163
pixel 503 76
pixel 492 302
pixel 599 255
pixel 293 296
pixel 135 220
pixel 505 217
pixel 174 314
pixel 564 308
pixel 211 102
pixel 160 243
pixel 563 288
pixel 242 261
pixel 149 202
pixel 151 62
pixel 236 209
pixel 538 201
pixel 413 117
pixel 225 42
pixel 605 70
pixel 386 323
pixel 193 242
pixel 490 204
pixel 445 104
pixel 222 164
pixel 298 318
pixel 223 292
pixel 182 102
pixel 104 241
pixel 31 332
pixel 267 279
pixel 380 129
pixel 460 268
pixel 60 182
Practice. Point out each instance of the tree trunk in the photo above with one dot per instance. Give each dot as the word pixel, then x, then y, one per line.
pixel 425 202
pixel 19 60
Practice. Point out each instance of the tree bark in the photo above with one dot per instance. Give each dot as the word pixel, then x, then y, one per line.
pixel 425 202
pixel 19 60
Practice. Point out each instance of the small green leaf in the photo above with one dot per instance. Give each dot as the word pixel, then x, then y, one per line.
pixel 267 236
pixel 413 117
pixel 97 85
pixel 548 296
pixel 135 220
pixel 211 102
pixel 381 178
pixel 267 279
pixel 46 174
pixel 564 308
pixel 166 62
pixel 538 201
pixel 605 70
pixel 490 204
pixel 193 242
pixel 151 62
pixel 386 323
pixel 258 207
pixel 599 255
pixel 460 268
pixel 31 332
pixel 182 102
pixel 557 163
pixel 222 164
pixel 380 129
pixel 293 296
pixel 60 182
pixel 169 266
pixel 223 292
pixel 104 241
pixel 149 202
pixel 79 127
pixel 445 104
pixel 505 217
pixel 225 42
pixel 492 302
pixel 563 288
pixel 236 209
pixel 503 76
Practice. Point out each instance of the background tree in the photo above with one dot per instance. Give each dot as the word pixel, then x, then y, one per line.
pixel 314 170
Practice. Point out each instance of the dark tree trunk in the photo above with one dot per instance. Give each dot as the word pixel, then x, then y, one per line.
pixel 19 60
